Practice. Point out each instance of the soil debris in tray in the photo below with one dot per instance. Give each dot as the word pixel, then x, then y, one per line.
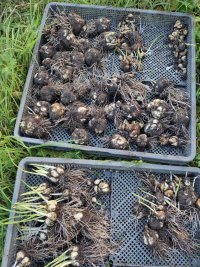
pixel 63 221
pixel 170 208
pixel 73 91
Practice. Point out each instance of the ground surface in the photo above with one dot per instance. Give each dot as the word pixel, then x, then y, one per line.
pixel 19 22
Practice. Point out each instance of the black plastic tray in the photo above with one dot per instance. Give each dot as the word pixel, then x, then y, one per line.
pixel 156 25
pixel 132 252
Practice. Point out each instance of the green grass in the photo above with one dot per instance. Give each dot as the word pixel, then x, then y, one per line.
pixel 19 22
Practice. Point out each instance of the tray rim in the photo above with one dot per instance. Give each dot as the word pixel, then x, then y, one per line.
pixel 106 151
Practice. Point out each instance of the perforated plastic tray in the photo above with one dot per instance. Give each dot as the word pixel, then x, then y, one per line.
pixel 132 252
pixel 155 27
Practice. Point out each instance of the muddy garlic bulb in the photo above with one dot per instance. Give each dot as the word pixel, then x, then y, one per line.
pixel 54 173
pixel 47 51
pixel 42 77
pixel 96 26
pixel 131 39
pixel 47 62
pixel 110 111
pixel 164 139
pixel 67 96
pixel 158 108
pixel 135 130
pixel 128 63
pixel 56 111
pixel 142 141
pixel 130 19
pixel 48 93
pixel 130 110
pixel 187 196
pixel 161 84
pixel 127 126
pixel 76 21
pixel 154 223
pixel 78 111
pixel 97 124
pixel 132 128
pixel 22 260
pixel 154 127
pixel 35 126
pixel 66 38
pixel 92 56
pixel 99 97
pixel 181 117
pixel 150 237
pixel 64 73
pixel 109 40
pixel 42 108
pixel 78 59
pixel 127 24
pixel 174 141
pixel 112 85
pixel 80 136
pixel 118 142
pixel 102 24
pixel 44 189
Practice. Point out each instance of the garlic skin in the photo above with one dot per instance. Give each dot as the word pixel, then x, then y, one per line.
pixel 78 216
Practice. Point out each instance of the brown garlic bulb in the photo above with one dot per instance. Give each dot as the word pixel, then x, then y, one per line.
pixel 118 142
pixel 80 136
